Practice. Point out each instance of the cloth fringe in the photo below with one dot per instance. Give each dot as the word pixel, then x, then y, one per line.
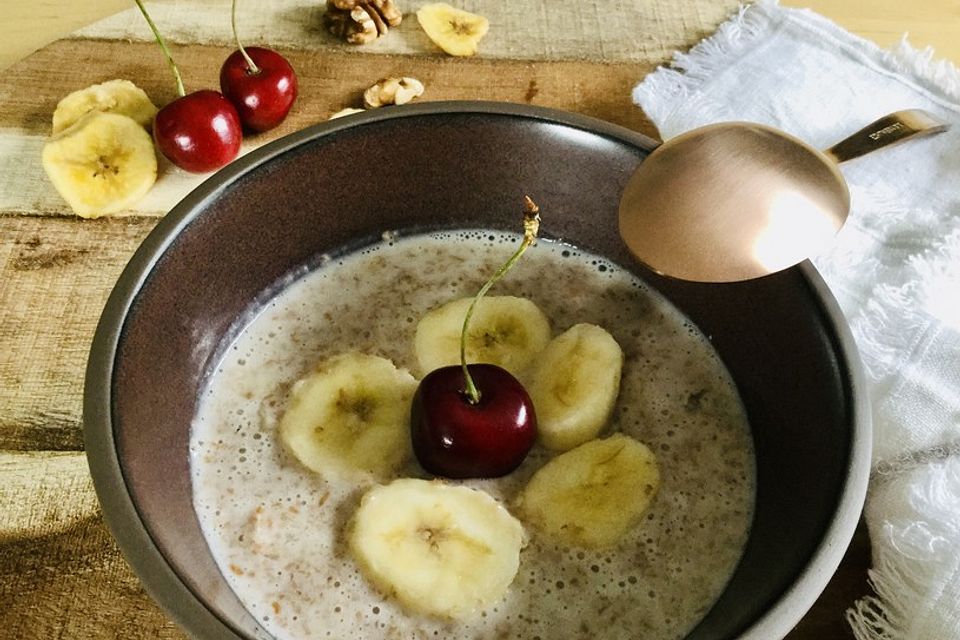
pixel 677 83
pixel 916 568
pixel 939 77
pixel 913 558
pixel 891 322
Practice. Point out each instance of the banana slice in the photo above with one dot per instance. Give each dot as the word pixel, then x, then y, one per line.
pixel 443 550
pixel 593 495
pixel 104 163
pixel 350 417
pixel 506 331
pixel 116 96
pixel 574 385
pixel 455 31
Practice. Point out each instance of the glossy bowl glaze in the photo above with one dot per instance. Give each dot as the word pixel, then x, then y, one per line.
pixel 229 244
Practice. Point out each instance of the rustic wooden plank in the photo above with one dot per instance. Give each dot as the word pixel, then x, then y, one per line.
pixel 534 29
pixel 329 81
pixel 43 492
pixel 25 189
pixel 29 25
pixel 61 573
pixel 55 275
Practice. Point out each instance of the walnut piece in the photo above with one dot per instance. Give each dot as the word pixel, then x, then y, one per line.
pixel 392 91
pixel 361 21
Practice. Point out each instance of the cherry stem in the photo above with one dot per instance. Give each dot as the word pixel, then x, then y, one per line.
pixel 251 65
pixel 163 46
pixel 531 225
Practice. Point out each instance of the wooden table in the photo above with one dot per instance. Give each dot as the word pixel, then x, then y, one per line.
pixel 61 574
pixel 28 25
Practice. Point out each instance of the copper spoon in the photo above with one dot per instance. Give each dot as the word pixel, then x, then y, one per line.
pixel 736 200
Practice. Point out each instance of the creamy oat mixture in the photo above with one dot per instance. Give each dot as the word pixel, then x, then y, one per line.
pixel 276 529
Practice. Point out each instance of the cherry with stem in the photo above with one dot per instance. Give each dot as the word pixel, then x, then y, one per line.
pixel 260 83
pixel 199 131
pixel 477 420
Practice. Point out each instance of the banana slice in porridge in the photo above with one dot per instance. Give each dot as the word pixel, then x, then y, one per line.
pixel 350 417
pixel 440 549
pixel 593 495
pixel 505 330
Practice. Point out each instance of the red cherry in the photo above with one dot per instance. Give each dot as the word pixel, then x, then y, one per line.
pixel 199 132
pixel 457 439
pixel 262 97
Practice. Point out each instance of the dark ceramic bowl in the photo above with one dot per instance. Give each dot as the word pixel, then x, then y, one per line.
pixel 228 244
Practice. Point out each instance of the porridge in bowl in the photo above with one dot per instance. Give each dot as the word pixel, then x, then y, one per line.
pixel 278 530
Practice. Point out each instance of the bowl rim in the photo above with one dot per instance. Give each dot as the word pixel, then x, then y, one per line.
pixel 801 595
pixel 121 514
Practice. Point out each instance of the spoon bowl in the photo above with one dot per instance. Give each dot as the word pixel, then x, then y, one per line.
pixel 736 200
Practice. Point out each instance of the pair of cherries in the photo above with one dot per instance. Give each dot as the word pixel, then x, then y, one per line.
pixel 202 131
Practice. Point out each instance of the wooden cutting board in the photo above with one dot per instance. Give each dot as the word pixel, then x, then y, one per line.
pixel 61 574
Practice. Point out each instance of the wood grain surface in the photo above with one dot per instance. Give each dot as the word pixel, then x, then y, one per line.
pixel 60 268
pixel 61 574
pixel 28 25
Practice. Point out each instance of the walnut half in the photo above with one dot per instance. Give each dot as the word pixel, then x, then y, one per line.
pixel 392 91
pixel 361 21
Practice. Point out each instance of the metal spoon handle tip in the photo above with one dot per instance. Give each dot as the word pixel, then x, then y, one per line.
pixel 888 130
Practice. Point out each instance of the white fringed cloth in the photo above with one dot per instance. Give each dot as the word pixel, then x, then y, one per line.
pixel 895 269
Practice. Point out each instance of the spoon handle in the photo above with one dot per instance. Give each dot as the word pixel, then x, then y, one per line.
pixel 890 129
